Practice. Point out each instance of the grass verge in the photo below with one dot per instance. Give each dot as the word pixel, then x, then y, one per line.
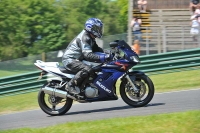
pixel 18 103
pixel 182 122
pixel 176 81
pixel 163 82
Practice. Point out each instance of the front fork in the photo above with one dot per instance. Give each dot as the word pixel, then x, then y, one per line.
pixel 134 88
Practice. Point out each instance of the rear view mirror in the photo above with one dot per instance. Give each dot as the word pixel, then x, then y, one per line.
pixel 113 44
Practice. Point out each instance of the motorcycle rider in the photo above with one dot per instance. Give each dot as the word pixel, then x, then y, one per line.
pixel 82 47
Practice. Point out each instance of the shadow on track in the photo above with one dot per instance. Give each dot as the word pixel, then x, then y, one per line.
pixel 111 109
pixel 154 104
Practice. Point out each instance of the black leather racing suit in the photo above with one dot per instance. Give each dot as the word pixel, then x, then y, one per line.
pixel 81 48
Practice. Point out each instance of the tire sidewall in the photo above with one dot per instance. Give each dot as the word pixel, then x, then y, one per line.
pixel 47 110
pixel 150 85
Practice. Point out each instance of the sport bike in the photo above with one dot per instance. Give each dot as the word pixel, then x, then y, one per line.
pixel 136 89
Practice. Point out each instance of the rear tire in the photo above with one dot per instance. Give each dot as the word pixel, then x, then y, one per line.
pixel 129 98
pixel 44 103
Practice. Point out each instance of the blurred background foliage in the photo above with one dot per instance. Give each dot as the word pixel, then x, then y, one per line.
pixel 30 27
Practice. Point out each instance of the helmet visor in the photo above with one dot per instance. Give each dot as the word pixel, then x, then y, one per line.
pixel 101 31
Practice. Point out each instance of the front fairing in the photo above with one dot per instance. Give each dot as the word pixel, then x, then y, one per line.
pixel 128 52
pixel 123 64
pixel 125 56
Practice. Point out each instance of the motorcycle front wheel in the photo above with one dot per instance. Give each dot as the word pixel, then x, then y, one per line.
pixel 140 97
pixel 53 105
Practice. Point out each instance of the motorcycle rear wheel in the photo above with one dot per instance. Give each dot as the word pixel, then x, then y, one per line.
pixel 58 107
pixel 140 99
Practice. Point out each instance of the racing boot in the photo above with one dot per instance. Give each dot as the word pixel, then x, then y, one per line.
pixel 72 89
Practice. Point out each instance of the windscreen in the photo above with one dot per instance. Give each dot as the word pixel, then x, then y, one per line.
pixel 122 43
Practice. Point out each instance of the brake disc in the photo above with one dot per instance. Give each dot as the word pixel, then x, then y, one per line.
pixel 142 90
pixel 54 100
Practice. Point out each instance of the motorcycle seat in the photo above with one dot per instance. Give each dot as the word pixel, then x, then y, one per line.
pixel 64 70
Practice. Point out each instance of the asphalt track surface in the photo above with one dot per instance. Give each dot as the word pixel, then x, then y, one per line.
pixel 162 103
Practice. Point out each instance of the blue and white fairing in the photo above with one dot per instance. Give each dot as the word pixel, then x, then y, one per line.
pixel 113 70
pixel 52 68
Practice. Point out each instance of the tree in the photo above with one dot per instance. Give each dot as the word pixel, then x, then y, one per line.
pixel 36 26
pixel 30 27
pixel 123 15
pixel 110 17
pixel 12 32
pixel 44 22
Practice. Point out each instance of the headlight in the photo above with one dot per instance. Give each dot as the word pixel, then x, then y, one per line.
pixel 135 59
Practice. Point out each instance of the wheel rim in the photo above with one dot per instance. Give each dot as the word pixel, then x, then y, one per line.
pixel 137 95
pixel 52 104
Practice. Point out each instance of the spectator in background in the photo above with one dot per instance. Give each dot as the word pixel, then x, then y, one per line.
pixel 142 5
pixel 136 47
pixel 193 5
pixel 198 18
pixel 197 13
pixel 195 25
pixel 136 24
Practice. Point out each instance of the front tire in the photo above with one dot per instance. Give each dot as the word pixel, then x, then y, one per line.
pixel 141 98
pixel 53 105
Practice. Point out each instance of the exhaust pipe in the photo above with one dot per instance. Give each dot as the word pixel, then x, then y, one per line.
pixel 57 93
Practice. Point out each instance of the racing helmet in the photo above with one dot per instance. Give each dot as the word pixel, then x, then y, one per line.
pixel 94 26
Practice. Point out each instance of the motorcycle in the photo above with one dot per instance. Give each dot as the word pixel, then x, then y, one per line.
pixel 136 89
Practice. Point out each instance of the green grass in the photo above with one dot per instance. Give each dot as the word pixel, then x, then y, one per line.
pixel 183 122
pixel 163 82
pixel 176 81
pixel 18 103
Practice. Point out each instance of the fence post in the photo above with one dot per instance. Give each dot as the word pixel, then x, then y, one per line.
pixel 183 36
pixel 158 39
pixel 164 38
pixel 147 42
pixel 160 16
pixel 130 15
pixel 43 56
